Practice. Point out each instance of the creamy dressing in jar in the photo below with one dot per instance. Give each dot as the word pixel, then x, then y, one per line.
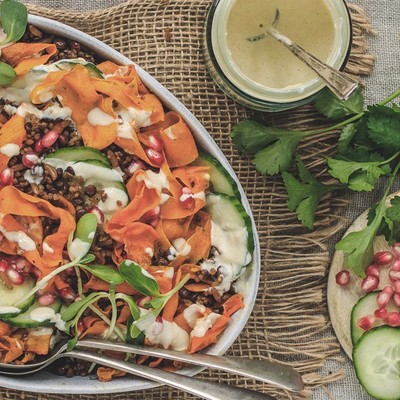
pixel 308 23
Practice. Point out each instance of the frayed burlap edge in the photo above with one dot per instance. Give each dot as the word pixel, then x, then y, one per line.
pixel 290 320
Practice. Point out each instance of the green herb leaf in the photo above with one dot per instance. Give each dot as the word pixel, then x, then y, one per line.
pixel 359 176
pixel 304 195
pixel 105 273
pixel 393 212
pixel 83 238
pixel 139 278
pixel 384 127
pixel 138 335
pixel 346 137
pixel 7 74
pixel 72 343
pixel 72 310
pixel 87 259
pixel 14 18
pixel 277 157
pixel 332 107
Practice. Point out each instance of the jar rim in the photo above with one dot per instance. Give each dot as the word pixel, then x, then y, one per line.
pixel 290 94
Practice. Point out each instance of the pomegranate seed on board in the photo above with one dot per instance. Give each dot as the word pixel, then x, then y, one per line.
pixel 381 313
pixel 99 214
pixel 39 147
pixel 156 158
pixel 15 277
pixel 373 270
pixel 46 299
pixel 343 278
pixel 394 275
pixel 30 160
pixel 7 177
pixel 396 265
pixel 67 293
pixel 384 296
pixel 4 265
pixel 396 286
pixel 393 319
pixel 155 143
pixel 396 299
pixel 50 138
pixel 366 323
pixel 383 257
pixel 369 284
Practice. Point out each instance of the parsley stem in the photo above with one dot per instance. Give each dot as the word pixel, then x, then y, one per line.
pixel 391 180
pixel 390 98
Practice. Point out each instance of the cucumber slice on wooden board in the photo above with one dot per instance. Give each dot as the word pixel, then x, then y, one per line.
pixel 230 215
pixel 25 320
pixel 377 362
pixel 9 297
pixel 366 306
pixel 80 153
pixel 221 181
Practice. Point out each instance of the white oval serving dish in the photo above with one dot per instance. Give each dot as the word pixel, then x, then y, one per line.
pixel 46 382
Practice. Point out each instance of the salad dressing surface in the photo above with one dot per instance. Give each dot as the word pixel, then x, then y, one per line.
pixel 308 23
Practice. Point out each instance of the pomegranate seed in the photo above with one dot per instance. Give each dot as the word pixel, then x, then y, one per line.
pixel 67 293
pixel 394 275
pixel 46 299
pixel 366 323
pixel 50 138
pixel 393 319
pixel 135 166
pixel 152 217
pixel 383 257
pixel 343 278
pixel 373 270
pixel 369 284
pixel 187 199
pixel 384 296
pixel 396 286
pixel 7 177
pixel 15 277
pixel 156 143
pixel 381 313
pixel 396 249
pixel 4 266
pixel 23 265
pixel 396 265
pixel 30 160
pixel 39 147
pixel 99 214
pixel 156 158
pixel 396 299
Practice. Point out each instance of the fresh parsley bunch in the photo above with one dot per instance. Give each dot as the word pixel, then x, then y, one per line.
pixel 368 148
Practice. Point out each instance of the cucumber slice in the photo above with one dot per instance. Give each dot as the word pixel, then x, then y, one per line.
pixel 366 306
pixel 80 153
pixel 377 362
pixel 9 297
pixel 68 65
pixel 98 163
pixel 24 320
pixel 220 179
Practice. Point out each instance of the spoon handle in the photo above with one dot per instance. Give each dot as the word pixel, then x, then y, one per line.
pixel 274 373
pixel 340 84
pixel 206 390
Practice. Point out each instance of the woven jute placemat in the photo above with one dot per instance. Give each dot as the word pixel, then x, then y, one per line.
pixel 290 320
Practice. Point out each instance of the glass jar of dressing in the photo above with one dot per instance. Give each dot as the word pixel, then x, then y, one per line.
pixel 263 74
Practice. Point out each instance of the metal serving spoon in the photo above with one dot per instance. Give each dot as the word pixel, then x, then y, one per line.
pixel 340 84
pixel 266 371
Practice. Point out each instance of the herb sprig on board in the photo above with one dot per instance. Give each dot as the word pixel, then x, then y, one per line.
pixel 368 149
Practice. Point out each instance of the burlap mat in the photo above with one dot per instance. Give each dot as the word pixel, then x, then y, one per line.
pixel 290 320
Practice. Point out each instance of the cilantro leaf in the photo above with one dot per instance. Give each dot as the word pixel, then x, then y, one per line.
pixel 384 127
pixel 332 107
pixel 277 157
pixel 359 176
pixel 304 195
pixel 393 212
pixel 346 137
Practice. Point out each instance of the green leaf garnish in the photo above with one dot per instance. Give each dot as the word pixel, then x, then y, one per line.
pixel 139 278
pixel 14 18
pixel 83 237
pixel 7 74
pixel 304 195
pixel 106 273
pixel 332 107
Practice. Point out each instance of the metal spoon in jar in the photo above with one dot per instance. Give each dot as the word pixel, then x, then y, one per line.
pixel 340 83
pixel 273 373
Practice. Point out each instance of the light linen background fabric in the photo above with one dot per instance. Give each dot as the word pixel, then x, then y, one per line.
pixel 385 17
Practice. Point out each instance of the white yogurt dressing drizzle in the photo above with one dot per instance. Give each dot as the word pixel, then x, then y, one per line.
pixel 23 241
pixel 168 335
pixel 97 117
pixel 10 150
pixel 158 182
